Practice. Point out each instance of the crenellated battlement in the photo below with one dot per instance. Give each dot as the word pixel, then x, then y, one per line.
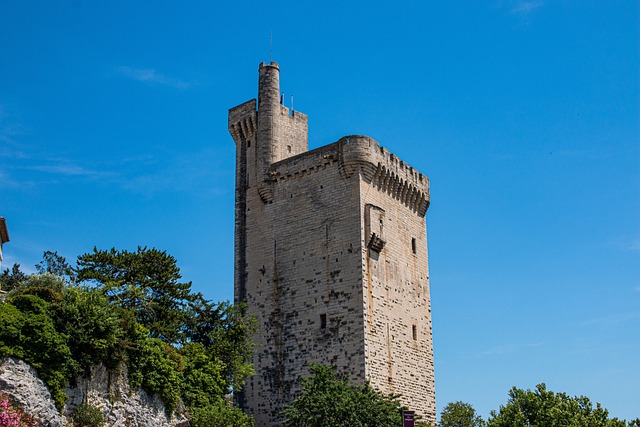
pixel 362 151
pixel 416 198
pixel 365 156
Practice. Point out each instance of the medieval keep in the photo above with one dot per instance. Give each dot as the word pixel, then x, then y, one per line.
pixel 330 257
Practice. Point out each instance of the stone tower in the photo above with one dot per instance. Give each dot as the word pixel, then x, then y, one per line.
pixel 330 257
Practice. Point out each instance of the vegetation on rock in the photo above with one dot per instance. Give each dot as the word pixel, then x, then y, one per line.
pixel 87 416
pixel 128 307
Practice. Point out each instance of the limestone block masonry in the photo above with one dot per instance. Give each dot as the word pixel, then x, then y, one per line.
pixel 330 257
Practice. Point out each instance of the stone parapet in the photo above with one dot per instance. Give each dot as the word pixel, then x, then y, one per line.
pixel 363 155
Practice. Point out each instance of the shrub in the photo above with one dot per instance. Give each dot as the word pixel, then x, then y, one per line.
pixel 87 416
pixel 157 368
pixel 203 380
pixel 220 414
pixel 328 401
pixel 28 333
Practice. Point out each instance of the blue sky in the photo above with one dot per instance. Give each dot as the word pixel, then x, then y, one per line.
pixel 524 114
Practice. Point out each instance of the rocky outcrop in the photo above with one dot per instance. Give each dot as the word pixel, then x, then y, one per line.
pixel 21 382
pixel 107 391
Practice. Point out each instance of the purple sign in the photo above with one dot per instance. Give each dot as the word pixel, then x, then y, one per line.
pixel 408 418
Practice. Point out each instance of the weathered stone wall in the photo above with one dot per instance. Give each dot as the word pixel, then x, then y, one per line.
pixel 294 133
pixel 397 311
pixel 394 198
pixel 305 280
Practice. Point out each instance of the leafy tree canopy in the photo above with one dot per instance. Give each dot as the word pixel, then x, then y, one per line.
pixel 544 408
pixel 10 279
pixel 146 282
pixel 56 265
pixel 226 333
pixel 460 414
pixel 131 307
pixel 329 401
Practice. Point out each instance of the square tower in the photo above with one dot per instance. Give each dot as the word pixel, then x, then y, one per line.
pixel 330 257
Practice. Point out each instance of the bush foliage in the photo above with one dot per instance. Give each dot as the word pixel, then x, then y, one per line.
pixel 542 407
pixel 328 401
pixel 127 307
pixel 535 408
pixel 87 416
pixel 220 413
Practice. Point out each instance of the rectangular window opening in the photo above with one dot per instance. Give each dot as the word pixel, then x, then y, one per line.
pixel 323 321
pixel 413 245
pixel 414 330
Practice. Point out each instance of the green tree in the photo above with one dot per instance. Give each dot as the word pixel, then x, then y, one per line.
pixel 11 279
pixel 146 282
pixel 203 379
pixel 328 401
pixel 543 408
pixel 91 326
pixel 460 414
pixel 47 286
pixel 129 307
pixel 57 265
pixel 226 334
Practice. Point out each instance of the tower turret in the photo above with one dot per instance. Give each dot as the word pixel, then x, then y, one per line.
pixel 268 119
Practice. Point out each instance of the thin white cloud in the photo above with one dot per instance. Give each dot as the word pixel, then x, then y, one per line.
pixel 10 133
pixel 625 244
pixel 151 76
pixel 633 245
pixel 6 181
pixel 66 169
pixel 200 173
pixel 10 149
pixel 613 319
pixel 197 172
pixel 524 7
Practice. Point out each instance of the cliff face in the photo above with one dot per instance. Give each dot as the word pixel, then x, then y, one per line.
pixel 107 391
pixel 21 382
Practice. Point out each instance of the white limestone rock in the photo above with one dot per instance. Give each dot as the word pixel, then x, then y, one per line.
pixel 21 382
pixel 107 391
